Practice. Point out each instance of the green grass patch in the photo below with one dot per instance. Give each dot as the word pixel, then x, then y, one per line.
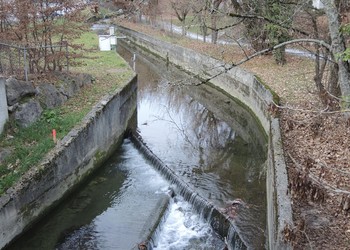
pixel 30 145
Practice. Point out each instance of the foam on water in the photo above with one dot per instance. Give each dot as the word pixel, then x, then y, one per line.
pixel 185 229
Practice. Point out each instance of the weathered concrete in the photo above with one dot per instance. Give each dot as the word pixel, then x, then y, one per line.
pixel 250 91
pixel 153 222
pixel 74 158
pixel 4 115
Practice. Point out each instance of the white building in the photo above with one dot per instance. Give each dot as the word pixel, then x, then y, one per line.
pixel 107 42
pixel 317 4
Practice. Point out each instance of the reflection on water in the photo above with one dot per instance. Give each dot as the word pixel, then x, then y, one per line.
pixel 110 212
pixel 204 136
pixel 210 141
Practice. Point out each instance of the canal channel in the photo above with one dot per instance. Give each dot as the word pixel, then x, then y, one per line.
pixel 207 139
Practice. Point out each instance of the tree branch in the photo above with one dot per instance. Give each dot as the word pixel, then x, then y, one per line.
pixel 246 16
pixel 321 183
pixel 261 52
pixel 302 40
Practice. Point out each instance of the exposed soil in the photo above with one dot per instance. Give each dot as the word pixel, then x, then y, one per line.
pixel 316 145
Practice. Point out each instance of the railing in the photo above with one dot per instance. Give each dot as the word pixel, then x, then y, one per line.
pixel 21 61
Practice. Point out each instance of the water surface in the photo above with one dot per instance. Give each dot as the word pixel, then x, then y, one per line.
pixel 206 137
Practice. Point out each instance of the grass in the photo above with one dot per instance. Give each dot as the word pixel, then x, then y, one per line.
pixel 30 145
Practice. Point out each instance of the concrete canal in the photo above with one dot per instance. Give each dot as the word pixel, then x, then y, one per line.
pixel 211 146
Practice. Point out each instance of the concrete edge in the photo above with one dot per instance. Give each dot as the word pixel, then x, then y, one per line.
pixel 43 186
pixel 221 223
pixel 283 217
pixel 153 222
pixel 3 104
pixel 279 202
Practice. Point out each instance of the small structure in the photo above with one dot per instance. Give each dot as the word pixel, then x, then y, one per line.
pixel 317 4
pixel 3 104
pixel 108 42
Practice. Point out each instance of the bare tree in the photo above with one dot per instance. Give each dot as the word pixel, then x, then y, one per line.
pixel 181 8
pixel 214 17
pixel 152 10
pixel 42 27
pixel 201 11
pixel 270 26
pixel 205 10
pixel 338 48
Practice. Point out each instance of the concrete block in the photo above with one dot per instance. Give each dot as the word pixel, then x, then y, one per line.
pixel 3 104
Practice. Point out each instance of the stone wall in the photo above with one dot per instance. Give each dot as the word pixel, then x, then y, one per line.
pixel 27 101
pixel 3 104
pixel 74 158
pixel 251 92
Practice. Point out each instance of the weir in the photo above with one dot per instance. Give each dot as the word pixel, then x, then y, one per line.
pixel 249 90
pixel 220 222
pixel 210 156
pixel 244 231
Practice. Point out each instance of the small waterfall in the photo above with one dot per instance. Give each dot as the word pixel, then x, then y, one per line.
pixel 155 234
pixel 220 222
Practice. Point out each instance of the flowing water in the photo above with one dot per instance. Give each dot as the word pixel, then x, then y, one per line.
pixel 213 153
pixel 110 211
pixel 205 138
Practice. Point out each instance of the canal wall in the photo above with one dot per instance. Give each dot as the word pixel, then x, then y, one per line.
pixel 249 90
pixel 74 158
pixel 3 104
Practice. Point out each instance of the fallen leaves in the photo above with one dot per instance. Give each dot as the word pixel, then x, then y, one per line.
pixel 319 143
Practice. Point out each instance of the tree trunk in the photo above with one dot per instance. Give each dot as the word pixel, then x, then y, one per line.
pixel 214 17
pixel 338 47
pixel 214 33
pixel 204 28
pixel 184 32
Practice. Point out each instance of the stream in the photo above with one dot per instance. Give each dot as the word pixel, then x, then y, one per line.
pixel 206 138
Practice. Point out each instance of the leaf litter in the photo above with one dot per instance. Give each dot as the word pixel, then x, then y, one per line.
pixel 316 145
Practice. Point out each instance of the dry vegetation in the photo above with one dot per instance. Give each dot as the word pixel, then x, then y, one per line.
pixel 316 144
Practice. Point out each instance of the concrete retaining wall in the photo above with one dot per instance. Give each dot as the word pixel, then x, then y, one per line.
pixel 74 158
pixel 3 104
pixel 250 91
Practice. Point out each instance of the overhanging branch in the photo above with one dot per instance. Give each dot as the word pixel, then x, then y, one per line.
pixel 301 40
pixel 247 16
pixel 261 52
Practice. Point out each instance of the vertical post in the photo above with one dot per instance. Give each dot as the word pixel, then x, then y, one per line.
pixel 3 104
pixel 171 26
pixel 19 60
pixel 25 63
pixel 111 30
pixel 67 56
pixel 167 60
pixel 134 61
pixel 1 69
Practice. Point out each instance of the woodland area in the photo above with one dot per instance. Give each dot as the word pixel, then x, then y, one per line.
pixel 314 90
pixel 257 35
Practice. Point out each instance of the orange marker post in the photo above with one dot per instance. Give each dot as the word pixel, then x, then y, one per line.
pixel 54 135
